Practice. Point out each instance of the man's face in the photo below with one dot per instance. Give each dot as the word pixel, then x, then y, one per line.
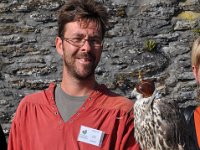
pixel 80 62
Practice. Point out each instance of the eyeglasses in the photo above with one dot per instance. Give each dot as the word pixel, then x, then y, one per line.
pixel 79 42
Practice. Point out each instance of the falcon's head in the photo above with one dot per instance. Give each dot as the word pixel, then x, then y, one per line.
pixel 143 89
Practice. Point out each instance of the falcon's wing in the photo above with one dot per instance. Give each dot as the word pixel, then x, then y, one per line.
pixel 171 127
pixel 159 123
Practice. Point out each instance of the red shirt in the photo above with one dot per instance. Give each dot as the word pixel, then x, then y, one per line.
pixel 197 124
pixel 37 124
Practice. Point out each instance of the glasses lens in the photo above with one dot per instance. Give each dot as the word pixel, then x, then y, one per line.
pixel 79 42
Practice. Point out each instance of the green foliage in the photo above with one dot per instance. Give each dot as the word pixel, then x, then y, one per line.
pixel 150 45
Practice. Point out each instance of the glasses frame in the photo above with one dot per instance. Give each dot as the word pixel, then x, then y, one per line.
pixel 82 42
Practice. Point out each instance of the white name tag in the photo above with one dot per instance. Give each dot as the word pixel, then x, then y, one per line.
pixel 90 136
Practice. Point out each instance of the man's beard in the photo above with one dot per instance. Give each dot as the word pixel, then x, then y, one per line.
pixel 89 69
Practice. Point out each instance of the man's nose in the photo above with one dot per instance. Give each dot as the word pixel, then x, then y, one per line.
pixel 86 46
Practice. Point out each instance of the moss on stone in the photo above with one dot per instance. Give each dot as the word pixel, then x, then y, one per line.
pixel 4 10
pixel 196 30
pixel 121 11
pixel 188 15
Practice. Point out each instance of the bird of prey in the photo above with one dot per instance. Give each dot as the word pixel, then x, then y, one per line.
pixel 158 121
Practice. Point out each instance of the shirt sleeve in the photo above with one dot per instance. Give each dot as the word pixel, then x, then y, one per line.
pixel 128 141
pixel 14 139
pixel 196 123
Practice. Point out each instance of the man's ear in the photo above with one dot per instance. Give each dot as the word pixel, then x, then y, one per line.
pixel 195 72
pixel 59 46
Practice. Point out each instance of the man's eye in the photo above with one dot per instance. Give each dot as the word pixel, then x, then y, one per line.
pixel 95 40
pixel 77 39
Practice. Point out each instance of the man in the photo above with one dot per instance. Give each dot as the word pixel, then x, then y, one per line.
pixel 79 113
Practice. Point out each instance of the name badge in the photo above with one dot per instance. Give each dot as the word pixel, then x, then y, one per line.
pixel 90 136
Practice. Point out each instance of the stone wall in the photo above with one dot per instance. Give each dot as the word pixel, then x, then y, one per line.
pixel 151 36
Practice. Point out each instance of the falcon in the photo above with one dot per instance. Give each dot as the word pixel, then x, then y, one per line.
pixel 158 121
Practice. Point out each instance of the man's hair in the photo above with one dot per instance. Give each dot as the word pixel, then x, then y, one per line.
pixel 196 52
pixel 84 11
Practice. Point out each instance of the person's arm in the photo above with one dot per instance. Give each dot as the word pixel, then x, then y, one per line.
pixel 189 116
pixel 14 139
pixel 196 122
pixel 3 144
pixel 128 141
